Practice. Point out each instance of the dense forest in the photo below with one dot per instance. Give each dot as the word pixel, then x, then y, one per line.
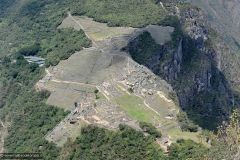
pixel 25 108
pixel 134 13
pixel 127 143
pixel 26 23
pixel 31 33
pixel 29 27
pixel 97 143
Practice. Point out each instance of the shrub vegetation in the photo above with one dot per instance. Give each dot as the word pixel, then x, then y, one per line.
pixel 150 129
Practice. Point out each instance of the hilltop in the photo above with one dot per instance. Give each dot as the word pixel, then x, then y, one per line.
pixel 119 79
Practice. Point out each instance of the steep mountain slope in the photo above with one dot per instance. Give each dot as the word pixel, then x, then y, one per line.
pixel 197 63
pixel 128 92
pixel 102 85
pixel 224 17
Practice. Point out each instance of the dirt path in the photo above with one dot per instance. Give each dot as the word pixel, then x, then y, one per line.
pixel 70 82
pixel 161 95
pixel 145 103
pixel 66 82
pixel 79 24
pixel 149 107
pixel 103 93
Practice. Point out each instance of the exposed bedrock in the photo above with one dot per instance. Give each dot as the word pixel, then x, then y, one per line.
pixel 224 17
pixel 194 66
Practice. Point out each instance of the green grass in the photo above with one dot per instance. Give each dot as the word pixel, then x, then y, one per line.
pixel 135 108
pixel 176 134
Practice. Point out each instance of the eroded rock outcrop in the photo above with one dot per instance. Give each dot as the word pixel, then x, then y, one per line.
pixel 224 17
pixel 192 64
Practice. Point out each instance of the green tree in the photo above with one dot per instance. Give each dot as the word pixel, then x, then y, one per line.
pixel 186 149
pixel 150 129
pixel 226 144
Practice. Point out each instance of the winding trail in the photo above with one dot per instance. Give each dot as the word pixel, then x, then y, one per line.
pixel 145 103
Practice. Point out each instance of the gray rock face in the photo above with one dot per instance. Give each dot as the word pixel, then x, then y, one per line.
pixel 206 86
pixel 177 59
pixel 224 17
pixel 194 68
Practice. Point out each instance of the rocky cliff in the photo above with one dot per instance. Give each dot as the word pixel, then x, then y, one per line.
pixel 193 64
pixel 224 17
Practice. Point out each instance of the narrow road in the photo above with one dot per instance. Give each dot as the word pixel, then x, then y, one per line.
pixel 103 93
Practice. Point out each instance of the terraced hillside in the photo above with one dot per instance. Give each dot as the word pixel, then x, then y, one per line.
pixel 102 85
pixel 128 79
